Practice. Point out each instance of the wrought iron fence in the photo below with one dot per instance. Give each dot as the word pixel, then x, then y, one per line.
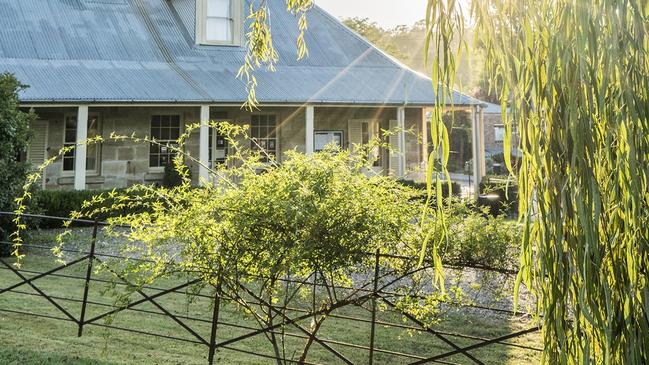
pixel 375 293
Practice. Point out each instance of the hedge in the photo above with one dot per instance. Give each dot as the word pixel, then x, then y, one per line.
pixel 61 203
pixel 507 195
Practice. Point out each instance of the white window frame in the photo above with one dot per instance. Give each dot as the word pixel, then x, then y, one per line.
pixel 201 23
pixel 278 124
pixel 333 132
pixel 160 169
pixel 95 171
pixel 214 135
pixel 496 128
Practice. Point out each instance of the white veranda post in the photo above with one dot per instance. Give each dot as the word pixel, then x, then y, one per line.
pixel 310 133
pixel 204 151
pixel 479 163
pixel 401 123
pixel 81 148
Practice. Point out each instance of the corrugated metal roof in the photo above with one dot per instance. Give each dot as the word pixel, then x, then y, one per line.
pixel 143 51
pixel 491 108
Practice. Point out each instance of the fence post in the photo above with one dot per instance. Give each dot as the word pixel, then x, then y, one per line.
pixel 374 295
pixel 86 288
pixel 215 322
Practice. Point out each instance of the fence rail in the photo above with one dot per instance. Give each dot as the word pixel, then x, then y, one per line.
pixel 375 293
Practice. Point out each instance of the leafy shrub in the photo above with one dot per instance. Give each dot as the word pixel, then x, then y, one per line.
pixel 64 203
pixel 14 139
pixel 172 177
pixel 502 195
pixel 317 217
pixel 479 239
pixel 307 213
pixel 421 187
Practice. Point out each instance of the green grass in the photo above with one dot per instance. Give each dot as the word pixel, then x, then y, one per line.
pixel 33 340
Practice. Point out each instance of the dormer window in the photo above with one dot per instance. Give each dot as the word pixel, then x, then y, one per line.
pixel 219 22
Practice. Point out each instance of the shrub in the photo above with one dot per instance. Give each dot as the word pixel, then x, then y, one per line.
pixel 479 239
pixel 500 196
pixel 14 139
pixel 172 176
pixel 63 203
pixel 316 217
pixel 421 187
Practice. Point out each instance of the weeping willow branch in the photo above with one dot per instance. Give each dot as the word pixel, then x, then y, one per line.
pixel 574 75
pixel 259 43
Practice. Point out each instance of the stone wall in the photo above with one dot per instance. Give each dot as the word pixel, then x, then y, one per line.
pixel 126 163
pixel 490 121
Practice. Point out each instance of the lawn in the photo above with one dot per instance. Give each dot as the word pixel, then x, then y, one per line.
pixel 36 340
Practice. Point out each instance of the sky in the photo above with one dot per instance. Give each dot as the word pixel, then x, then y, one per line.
pixel 388 13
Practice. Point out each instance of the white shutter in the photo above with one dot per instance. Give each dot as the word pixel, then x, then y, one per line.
pixel 355 133
pixel 395 159
pixel 37 150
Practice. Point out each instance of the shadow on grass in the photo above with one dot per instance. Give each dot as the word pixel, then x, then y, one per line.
pixel 16 356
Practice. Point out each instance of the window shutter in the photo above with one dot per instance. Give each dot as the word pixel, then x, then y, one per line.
pixel 355 133
pixel 395 161
pixel 37 150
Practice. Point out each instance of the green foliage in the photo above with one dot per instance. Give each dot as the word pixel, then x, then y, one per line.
pixel 307 214
pixel 14 138
pixel 456 190
pixel 320 217
pixel 259 43
pixel 459 125
pixel 404 42
pixel 59 203
pixel 62 203
pixel 575 73
pixel 506 191
pixel 479 239
pixel 172 177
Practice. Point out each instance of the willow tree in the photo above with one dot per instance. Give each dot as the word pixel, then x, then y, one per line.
pixel 575 75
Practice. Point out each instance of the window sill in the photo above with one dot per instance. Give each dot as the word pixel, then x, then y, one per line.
pixel 88 174
pixel 218 44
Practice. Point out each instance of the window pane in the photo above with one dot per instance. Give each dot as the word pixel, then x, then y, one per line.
pixel 70 135
pixel 165 129
pixel 365 133
pixel 71 122
pixel 164 121
pixel 164 134
pixel 155 121
pixel 499 133
pixel 91 163
pixel 218 29
pixel 93 127
pixel 68 164
pixel 174 121
pixel 70 129
pixel 218 8
pixel 324 138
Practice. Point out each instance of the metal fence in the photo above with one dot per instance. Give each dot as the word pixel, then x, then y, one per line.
pixel 377 292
